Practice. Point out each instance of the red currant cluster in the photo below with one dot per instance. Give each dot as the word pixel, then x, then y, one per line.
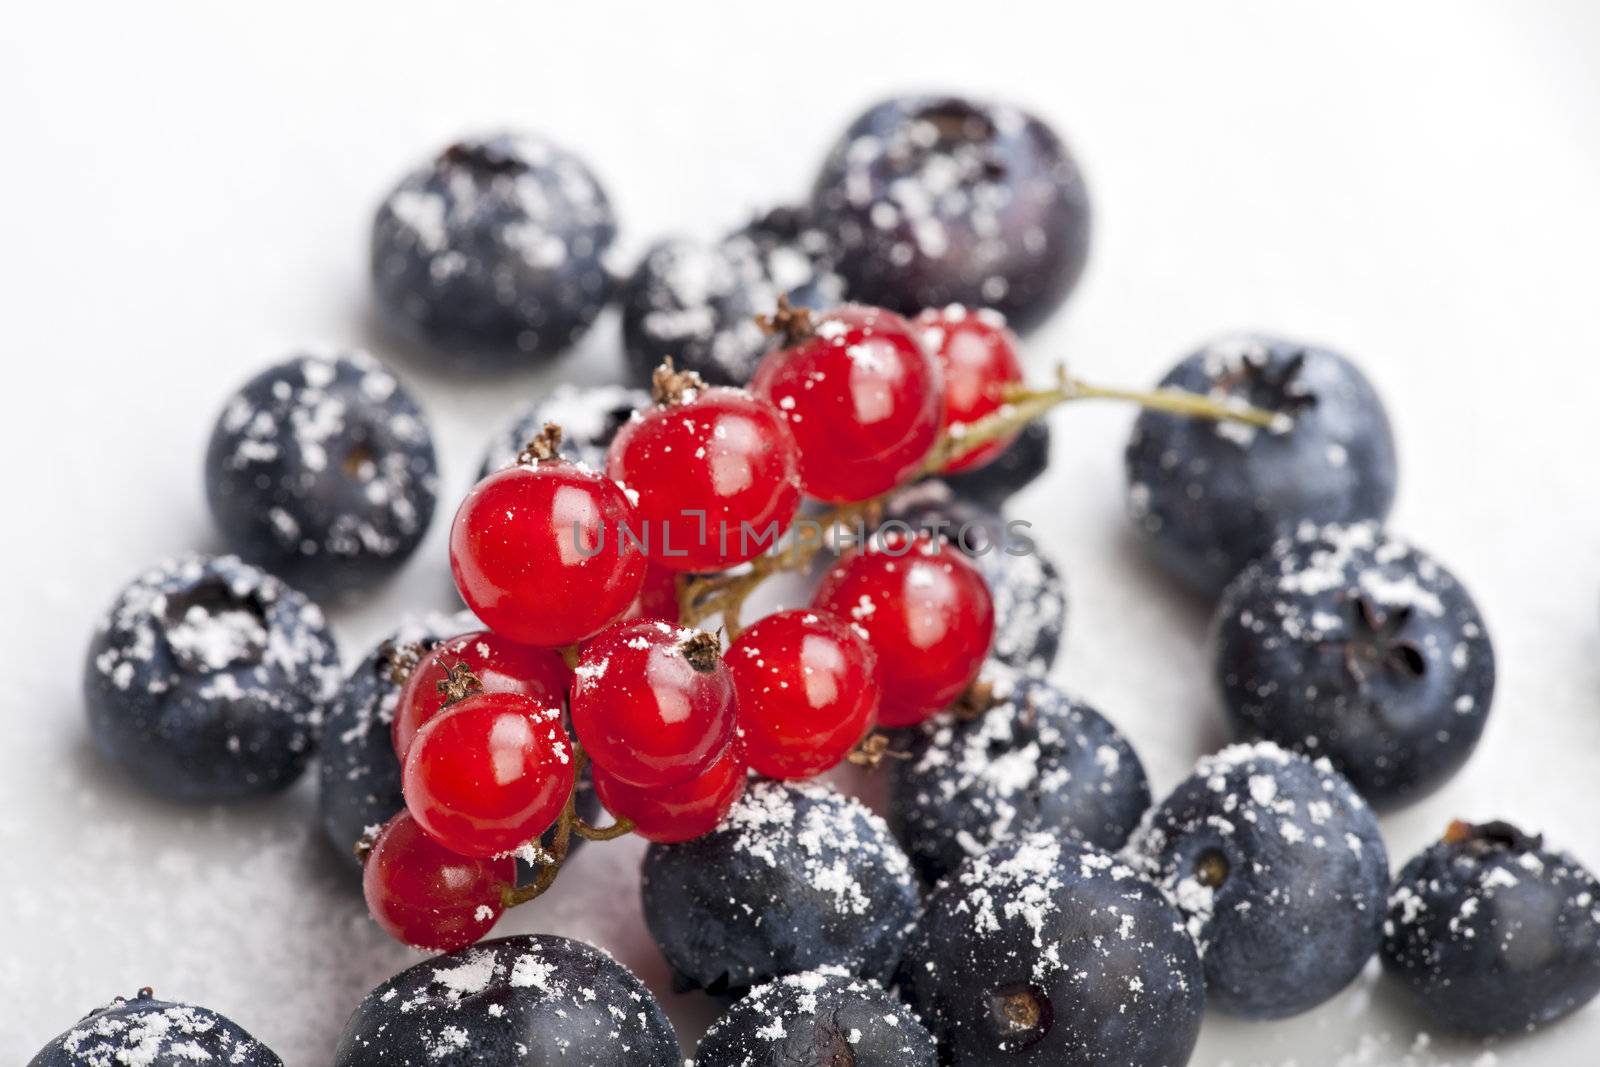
pixel 590 585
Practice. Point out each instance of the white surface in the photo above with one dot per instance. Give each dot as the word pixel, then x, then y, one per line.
pixel 185 193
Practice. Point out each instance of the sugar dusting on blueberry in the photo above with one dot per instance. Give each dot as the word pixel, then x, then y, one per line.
pixel 322 469
pixel 945 200
pixel 1041 951
pixel 207 678
pixel 1022 757
pixel 1492 932
pixel 797 876
pixel 1349 643
pixel 141 1031
pixel 1280 871
pixel 494 253
pixel 1208 496
pixel 534 1000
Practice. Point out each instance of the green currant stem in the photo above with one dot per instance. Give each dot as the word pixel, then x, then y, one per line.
pixel 701 597
pixel 568 826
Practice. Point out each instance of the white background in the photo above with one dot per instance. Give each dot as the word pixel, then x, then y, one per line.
pixel 184 194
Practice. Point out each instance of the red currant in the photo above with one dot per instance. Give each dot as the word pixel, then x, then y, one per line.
pixel 499 665
pixel 979 356
pixel 863 398
pixel 427 896
pixel 714 476
pixel 652 703
pixel 658 599
pixel 806 690
pixel 490 774
pixel 669 814
pixel 927 614
pixel 539 555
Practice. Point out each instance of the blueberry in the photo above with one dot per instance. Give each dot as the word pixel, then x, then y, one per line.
pixel 359 773
pixel 1020 756
pixel 993 483
pixel 1493 933
pixel 154 1033
pixel 1281 874
pixel 697 302
pixel 796 877
pixel 1042 951
pixel 1347 643
pixel 206 680
pixel 1208 497
pixel 1030 598
pixel 530 1001
pixel 492 254
pixel 821 1018
pixel 322 470
pixel 939 200
pixel 589 417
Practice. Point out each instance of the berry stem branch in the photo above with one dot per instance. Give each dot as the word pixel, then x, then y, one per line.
pixel 699 598
pixel 568 826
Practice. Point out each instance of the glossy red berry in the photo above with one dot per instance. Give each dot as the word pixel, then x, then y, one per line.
pixel 538 553
pixel 927 614
pixel 681 812
pixel 979 357
pixel 427 896
pixel 498 665
pixel 714 476
pixel 863 398
pixel 806 689
pixel 490 774
pixel 652 703
pixel 658 597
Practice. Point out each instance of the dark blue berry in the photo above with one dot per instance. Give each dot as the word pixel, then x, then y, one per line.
pixel 796 877
pixel 322 470
pixel 697 302
pixel 359 773
pixel 935 200
pixel 1042 951
pixel 1493 933
pixel 1208 497
pixel 1017 756
pixel 494 253
pixel 993 483
pixel 589 417
pixel 1281 874
pixel 146 1032
pixel 822 1018
pixel 527 1001
pixel 1347 643
pixel 207 678
pixel 1030 598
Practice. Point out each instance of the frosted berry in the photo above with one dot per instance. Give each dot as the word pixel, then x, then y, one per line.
pixel 428 897
pixel 652 703
pixel 538 554
pixel 492 253
pixel 807 692
pixel 980 361
pixel 490 775
pixel 862 397
pixel 683 811
pixel 713 474
pixel 938 199
pixel 141 1031
pixel 927 614
pixel 498 665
